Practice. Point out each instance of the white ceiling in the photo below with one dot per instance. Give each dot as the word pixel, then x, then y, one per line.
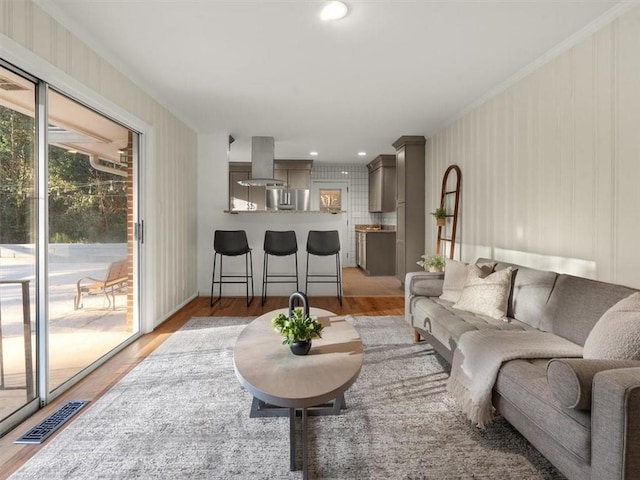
pixel 272 68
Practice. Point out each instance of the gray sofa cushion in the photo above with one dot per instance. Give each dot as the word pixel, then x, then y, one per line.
pixel 524 384
pixel 571 379
pixel 576 304
pixel 530 292
pixel 439 318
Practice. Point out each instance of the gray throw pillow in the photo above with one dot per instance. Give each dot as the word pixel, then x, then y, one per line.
pixel 617 334
pixel 571 379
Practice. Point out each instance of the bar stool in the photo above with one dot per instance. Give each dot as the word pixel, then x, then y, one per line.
pixel 280 244
pixel 324 243
pixel 231 243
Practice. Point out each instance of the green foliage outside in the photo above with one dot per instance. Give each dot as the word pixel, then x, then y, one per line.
pixel 85 205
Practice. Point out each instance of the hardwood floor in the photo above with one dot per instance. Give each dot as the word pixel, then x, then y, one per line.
pixel 356 283
pixel 381 300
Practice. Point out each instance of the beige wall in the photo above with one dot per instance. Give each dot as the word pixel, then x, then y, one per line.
pixel 169 194
pixel 551 166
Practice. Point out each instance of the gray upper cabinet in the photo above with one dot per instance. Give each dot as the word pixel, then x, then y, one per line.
pixel 410 209
pixel 297 173
pixel 382 183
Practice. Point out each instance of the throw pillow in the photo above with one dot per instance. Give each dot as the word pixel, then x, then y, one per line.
pixel 455 277
pixel 617 334
pixel 570 379
pixel 486 295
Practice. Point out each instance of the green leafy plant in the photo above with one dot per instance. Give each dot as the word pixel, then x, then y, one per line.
pixel 434 263
pixel 296 328
pixel 440 213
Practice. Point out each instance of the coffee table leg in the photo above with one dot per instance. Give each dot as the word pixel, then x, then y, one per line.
pixel 292 439
pixel 304 444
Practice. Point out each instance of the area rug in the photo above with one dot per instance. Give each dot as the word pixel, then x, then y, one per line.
pixel 181 414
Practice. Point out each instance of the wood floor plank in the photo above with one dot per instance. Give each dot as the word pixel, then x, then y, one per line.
pixel 96 384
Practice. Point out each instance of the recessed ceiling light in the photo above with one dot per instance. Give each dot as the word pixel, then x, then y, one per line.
pixel 313 154
pixel 333 10
pixel 344 172
pixel 362 154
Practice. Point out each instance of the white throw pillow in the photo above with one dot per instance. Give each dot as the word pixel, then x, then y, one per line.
pixel 486 295
pixel 616 335
pixel 455 278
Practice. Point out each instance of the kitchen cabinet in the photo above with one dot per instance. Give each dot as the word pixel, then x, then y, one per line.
pixel 240 197
pixel 375 252
pixel 297 173
pixel 410 204
pixel 361 257
pixel 382 183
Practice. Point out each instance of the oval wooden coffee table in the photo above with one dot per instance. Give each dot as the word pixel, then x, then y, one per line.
pixel 272 374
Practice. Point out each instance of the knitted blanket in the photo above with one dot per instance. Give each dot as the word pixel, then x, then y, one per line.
pixel 481 353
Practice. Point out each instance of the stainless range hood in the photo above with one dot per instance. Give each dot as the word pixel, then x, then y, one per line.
pixel 262 155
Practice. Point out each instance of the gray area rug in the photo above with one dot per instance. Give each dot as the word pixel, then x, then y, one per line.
pixel 181 414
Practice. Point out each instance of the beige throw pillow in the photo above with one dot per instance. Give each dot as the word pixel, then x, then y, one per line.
pixel 486 295
pixel 616 335
pixel 455 278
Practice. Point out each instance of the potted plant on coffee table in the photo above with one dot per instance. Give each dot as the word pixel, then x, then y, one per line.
pixel 297 328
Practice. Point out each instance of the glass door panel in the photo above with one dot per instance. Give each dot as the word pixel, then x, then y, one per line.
pixel 17 242
pixel 91 242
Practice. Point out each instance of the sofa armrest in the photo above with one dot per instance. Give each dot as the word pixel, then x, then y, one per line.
pixel 571 379
pixel 615 424
pixel 420 284
pixel 425 284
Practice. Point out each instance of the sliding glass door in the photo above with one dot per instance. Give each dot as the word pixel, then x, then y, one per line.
pixel 90 272
pixel 68 254
pixel 17 242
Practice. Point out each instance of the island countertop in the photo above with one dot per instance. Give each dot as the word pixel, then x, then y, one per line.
pixel 375 228
pixel 234 212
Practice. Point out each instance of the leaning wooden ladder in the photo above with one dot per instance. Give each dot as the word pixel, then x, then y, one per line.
pixel 442 238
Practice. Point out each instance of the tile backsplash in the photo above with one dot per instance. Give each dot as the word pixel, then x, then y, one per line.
pixel 358 213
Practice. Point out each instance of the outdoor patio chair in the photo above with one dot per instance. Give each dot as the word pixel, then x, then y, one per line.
pixel 115 280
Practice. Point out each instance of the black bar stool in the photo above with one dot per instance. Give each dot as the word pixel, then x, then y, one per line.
pixel 231 243
pixel 324 243
pixel 280 244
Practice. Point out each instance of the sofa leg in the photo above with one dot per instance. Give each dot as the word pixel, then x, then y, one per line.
pixel 416 337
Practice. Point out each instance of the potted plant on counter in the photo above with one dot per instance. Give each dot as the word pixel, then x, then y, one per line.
pixel 441 215
pixel 432 263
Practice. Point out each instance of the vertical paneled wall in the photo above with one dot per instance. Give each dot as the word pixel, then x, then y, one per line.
pixel 170 183
pixel 551 166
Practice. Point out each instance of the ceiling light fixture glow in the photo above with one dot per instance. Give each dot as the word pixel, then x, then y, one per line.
pixel 362 154
pixel 313 154
pixel 333 10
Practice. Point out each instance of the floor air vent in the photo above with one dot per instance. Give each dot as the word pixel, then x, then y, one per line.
pixel 41 432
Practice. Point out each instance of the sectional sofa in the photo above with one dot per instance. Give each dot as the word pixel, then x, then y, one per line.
pixel 583 414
